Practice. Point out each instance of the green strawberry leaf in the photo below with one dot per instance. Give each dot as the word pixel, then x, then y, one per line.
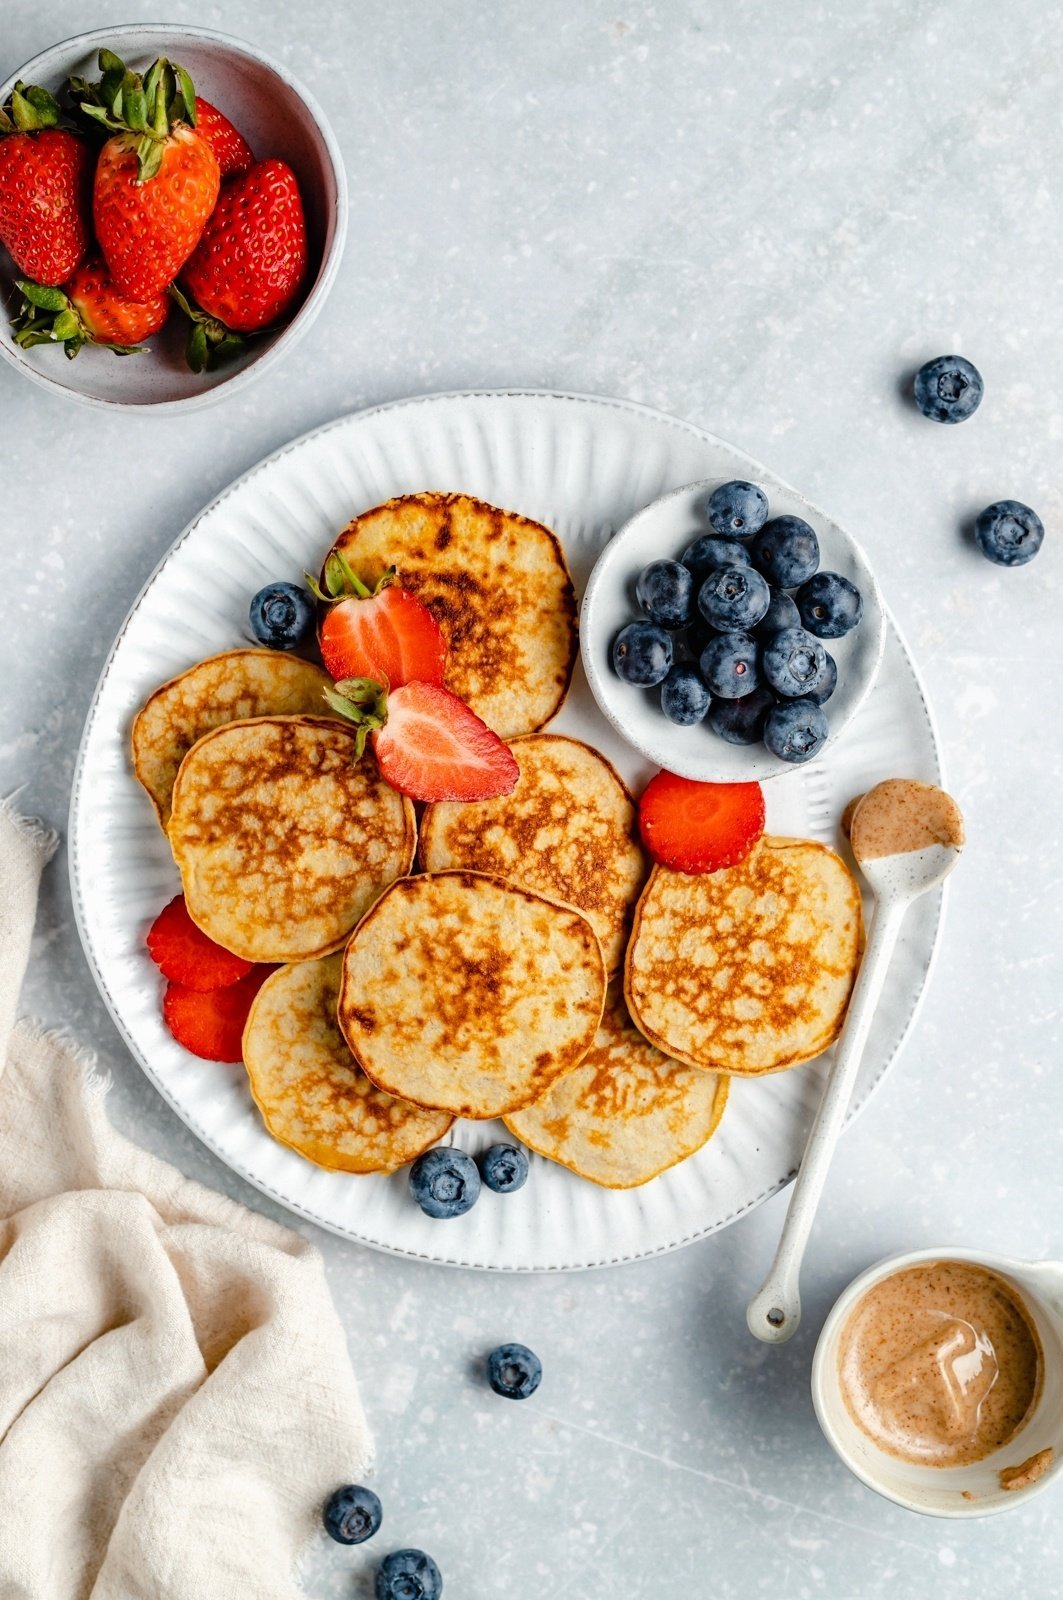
pixel 197 351
pixel 109 62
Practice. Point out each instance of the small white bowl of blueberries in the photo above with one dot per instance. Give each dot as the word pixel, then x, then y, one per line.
pixel 730 637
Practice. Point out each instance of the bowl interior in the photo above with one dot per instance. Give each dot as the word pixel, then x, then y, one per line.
pixel 273 117
pixel 664 529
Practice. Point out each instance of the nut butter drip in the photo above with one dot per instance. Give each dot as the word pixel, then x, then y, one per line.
pixel 1027 1471
pixel 940 1364
pixel 900 816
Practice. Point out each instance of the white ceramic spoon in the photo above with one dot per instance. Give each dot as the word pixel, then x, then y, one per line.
pixel 906 838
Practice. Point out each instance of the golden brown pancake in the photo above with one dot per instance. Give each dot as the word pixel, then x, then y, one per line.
pixel 283 839
pixel 749 969
pixel 567 831
pixel 627 1112
pixel 468 994
pixel 310 1090
pixel 499 588
pixel 231 687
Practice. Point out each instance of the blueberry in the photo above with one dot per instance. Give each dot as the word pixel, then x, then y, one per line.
pixel 742 721
pixel 445 1182
pixel 514 1371
pixel 781 613
pixel 408 1575
pixel 830 605
pixel 708 553
pixel 793 662
pixel 729 665
pixel 826 683
pixel 642 654
pixel 948 389
pixel 786 550
pixel 665 591
pixel 796 730
pixel 684 697
pixel 282 616
pixel 738 508
pixel 1009 533
pixel 352 1514
pixel 733 599
pixel 504 1168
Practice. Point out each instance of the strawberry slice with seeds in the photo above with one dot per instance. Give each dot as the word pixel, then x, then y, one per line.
pixel 427 742
pixel 700 827
pixel 211 1024
pixel 184 954
pixel 384 633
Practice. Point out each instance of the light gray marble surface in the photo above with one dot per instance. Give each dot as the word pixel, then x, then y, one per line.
pixel 760 216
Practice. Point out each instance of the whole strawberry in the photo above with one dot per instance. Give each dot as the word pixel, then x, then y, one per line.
pixel 44 187
pixel 156 180
pixel 250 263
pixel 229 145
pixel 87 310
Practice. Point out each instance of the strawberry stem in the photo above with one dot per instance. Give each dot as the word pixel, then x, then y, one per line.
pixel 364 702
pixel 149 106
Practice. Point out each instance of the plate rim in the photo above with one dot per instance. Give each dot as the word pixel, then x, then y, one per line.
pixel 75 865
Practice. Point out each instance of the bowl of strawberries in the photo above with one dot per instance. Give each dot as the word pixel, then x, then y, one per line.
pixel 167 194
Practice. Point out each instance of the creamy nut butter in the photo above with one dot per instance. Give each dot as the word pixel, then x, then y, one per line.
pixel 1028 1471
pixel 902 815
pixel 940 1363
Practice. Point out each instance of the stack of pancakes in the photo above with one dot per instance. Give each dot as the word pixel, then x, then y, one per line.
pixel 488 982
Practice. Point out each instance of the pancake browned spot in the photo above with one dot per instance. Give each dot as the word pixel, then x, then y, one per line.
pixel 568 830
pixel 749 969
pixel 310 1090
pixel 283 838
pixel 499 588
pixel 231 687
pixel 627 1112
pixel 451 986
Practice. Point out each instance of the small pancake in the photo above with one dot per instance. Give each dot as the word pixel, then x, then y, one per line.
pixel 568 831
pixel 468 994
pixel 747 970
pixel 228 688
pixel 499 588
pixel 311 1092
pixel 282 838
pixel 627 1112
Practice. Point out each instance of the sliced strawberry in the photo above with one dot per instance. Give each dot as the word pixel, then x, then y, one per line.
pixel 700 827
pixel 390 636
pixel 212 1025
pixel 184 954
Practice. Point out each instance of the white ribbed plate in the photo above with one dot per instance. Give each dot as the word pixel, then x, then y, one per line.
pixel 583 466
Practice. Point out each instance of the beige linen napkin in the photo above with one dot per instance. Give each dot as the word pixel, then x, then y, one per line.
pixel 176 1398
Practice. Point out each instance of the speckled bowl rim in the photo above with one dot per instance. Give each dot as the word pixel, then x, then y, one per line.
pixel 38 67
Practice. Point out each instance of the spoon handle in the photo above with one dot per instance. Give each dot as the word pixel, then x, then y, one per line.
pixel 774 1312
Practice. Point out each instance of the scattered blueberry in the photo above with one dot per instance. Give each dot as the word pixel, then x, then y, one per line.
pixel 948 389
pixel 665 591
pixel 408 1575
pixel 826 683
pixel 786 551
pixel 352 1514
pixel 445 1182
pixel 742 721
pixel 282 616
pixel 830 605
pixel 733 599
pixel 684 697
pixel 793 662
pixel 514 1371
pixel 504 1168
pixel 738 508
pixel 642 654
pixel 708 553
pixel 796 730
pixel 781 613
pixel 1009 533
pixel 729 666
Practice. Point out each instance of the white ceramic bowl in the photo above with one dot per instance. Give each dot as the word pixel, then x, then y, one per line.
pixel 278 118
pixel 967 1491
pixel 664 529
